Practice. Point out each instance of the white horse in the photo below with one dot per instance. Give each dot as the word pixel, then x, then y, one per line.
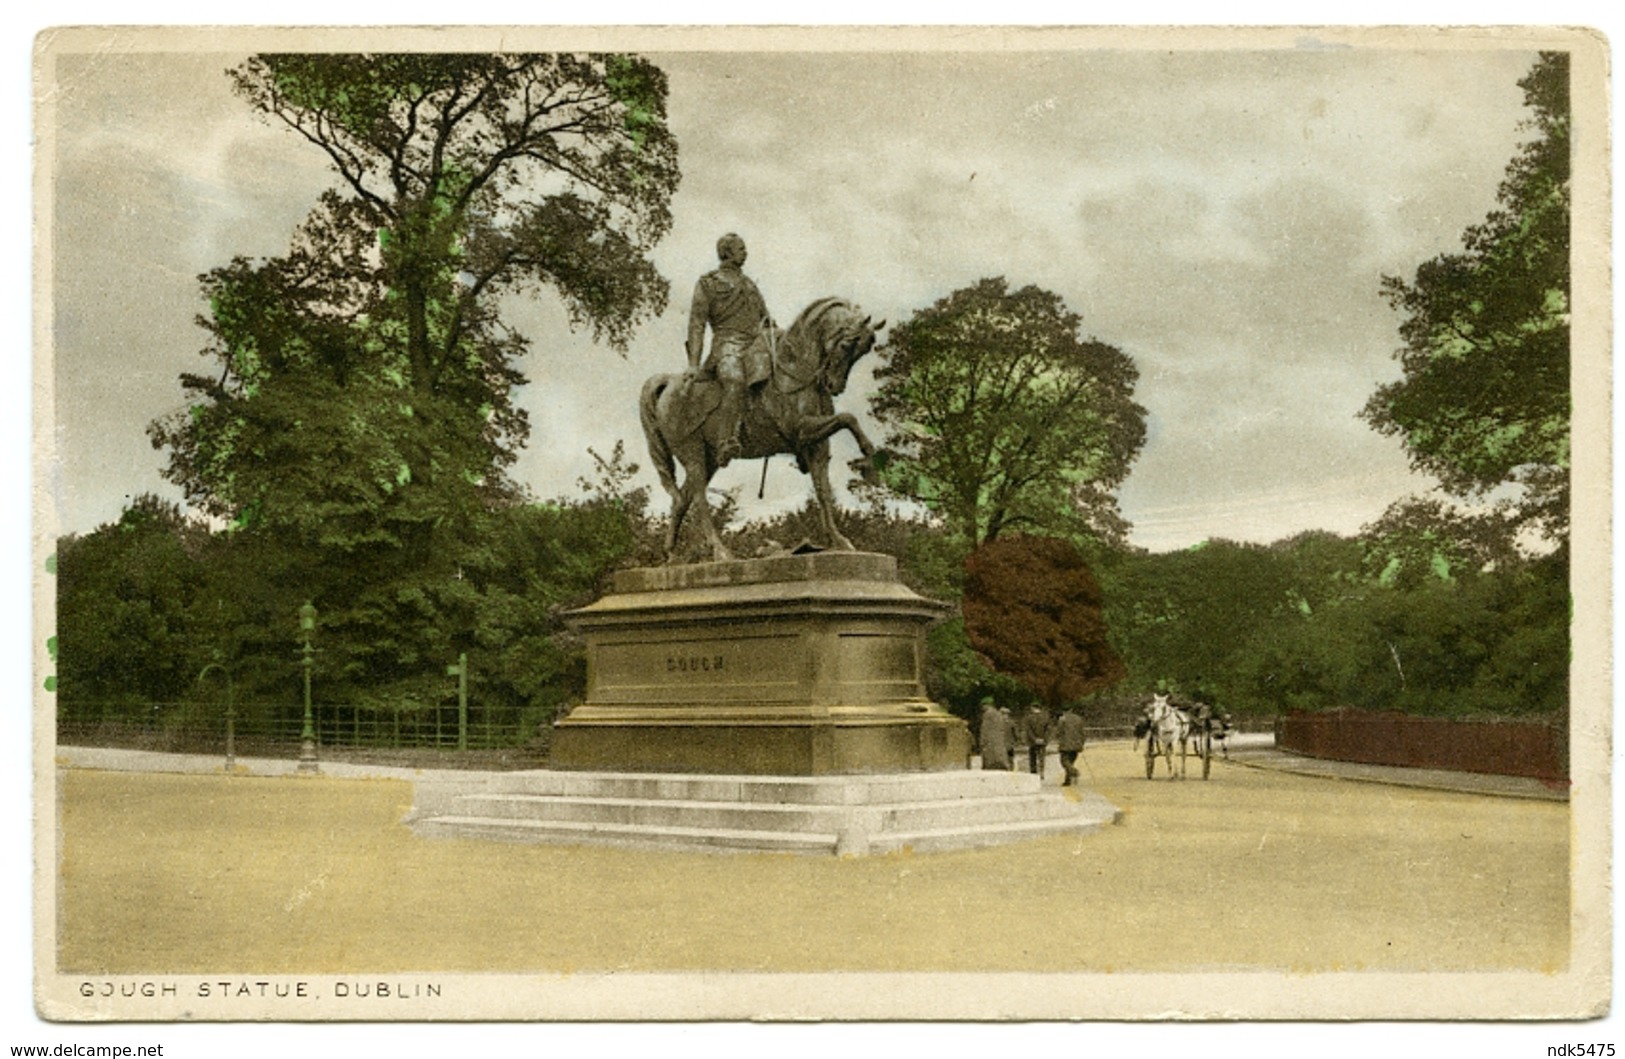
pixel 1166 727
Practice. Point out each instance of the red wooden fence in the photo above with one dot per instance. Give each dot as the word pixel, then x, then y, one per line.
pixel 1503 748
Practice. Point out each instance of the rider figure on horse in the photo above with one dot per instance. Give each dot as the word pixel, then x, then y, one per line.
pixel 727 300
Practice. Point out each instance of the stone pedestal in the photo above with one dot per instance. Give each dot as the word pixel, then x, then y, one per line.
pixel 798 665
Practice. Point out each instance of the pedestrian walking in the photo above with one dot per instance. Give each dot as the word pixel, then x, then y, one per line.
pixel 1035 734
pixel 1069 741
pixel 994 737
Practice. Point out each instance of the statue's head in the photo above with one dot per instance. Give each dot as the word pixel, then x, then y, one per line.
pixel 731 249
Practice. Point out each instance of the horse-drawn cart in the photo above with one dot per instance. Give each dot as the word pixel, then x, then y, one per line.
pixel 1192 729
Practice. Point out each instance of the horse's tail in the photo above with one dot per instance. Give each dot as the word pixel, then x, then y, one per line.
pixel 659 450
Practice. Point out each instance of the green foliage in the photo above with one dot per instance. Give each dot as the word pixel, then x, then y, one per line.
pixel 1000 418
pixel 144 604
pixel 125 596
pixel 1412 616
pixel 358 421
pixel 1180 618
pixel 1417 539
pixel 959 677
pixel 462 179
pixel 1483 643
pixel 1436 611
pixel 1424 612
pixel 1484 400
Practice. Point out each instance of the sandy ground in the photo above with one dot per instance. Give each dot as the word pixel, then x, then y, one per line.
pixel 1251 870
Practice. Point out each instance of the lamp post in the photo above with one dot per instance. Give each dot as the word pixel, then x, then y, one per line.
pixel 307 737
pixel 231 712
pixel 460 671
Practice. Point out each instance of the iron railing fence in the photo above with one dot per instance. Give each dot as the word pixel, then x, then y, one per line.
pixel 275 731
pixel 176 727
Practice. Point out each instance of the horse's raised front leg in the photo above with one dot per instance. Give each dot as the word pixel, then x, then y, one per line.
pixel 816 430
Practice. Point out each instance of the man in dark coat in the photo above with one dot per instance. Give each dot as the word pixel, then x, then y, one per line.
pixel 1205 712
pixel 1035 734
pixel 1069 741
pixel 994 737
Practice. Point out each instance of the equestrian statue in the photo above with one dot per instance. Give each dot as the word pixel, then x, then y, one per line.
pixel 763 391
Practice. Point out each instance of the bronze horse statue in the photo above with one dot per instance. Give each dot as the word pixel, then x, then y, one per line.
pixel 793 411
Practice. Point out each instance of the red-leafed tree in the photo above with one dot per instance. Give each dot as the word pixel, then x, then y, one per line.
pixel 1032 609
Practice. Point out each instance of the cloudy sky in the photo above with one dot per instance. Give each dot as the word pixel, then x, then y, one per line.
pixel 1223 215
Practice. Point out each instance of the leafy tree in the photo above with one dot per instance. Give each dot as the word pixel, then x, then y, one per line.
pixel 124 598
pixel 461 179
pixel 1000 418
pixel 541 560
pixel 1322 567
pixel 960 677
pixel 1033 609
pixel 1419 538
pixel 1484 401
pixel 1181 617
pixel 1423 635
pixel 1527 667
pixel 359 420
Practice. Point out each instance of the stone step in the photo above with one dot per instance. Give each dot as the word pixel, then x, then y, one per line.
pixel 839 814
pixel 1088 815
pixel 750 816
pixel 775 790
pixel 980 835
pixel 690 838
pixel 633 835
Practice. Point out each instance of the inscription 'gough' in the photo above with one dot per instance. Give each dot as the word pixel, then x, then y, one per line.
pixel 693 663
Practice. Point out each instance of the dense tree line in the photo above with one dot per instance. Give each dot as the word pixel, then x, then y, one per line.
pixel 1387 619
pixel 1306 624
pixel 1315 621
pixel 147 602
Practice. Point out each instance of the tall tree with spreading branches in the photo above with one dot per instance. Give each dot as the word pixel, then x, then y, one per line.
pixel 1002 418
pixel 460 179
pixel 1483 402
pixel 358 418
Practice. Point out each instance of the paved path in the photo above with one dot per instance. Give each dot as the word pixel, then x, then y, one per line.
pixel 1266 756
pixel 112 759
pixel 1254 750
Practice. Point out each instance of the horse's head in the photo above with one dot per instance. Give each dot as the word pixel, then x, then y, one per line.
pixel 853 338
pixel 841 334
